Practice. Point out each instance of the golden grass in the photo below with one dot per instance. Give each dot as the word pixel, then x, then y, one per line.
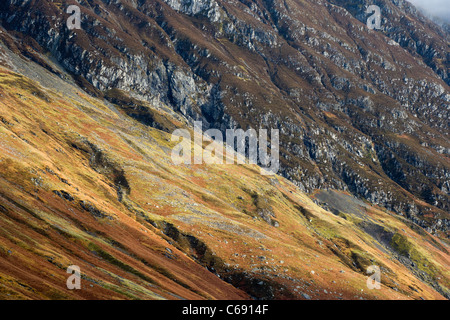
pixel 217 205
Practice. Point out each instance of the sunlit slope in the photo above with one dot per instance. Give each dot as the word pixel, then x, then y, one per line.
pixel 83 184
pixel 359 110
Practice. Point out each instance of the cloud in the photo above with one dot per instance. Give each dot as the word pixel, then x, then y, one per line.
pixel 438 8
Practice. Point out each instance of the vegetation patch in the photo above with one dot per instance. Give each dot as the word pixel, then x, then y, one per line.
pixel 111 259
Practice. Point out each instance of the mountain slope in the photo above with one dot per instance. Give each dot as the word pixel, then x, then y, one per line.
pixel 358 110
pixel 83 183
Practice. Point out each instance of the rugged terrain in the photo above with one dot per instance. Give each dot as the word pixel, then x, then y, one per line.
pixel 364 111
pixel 87 179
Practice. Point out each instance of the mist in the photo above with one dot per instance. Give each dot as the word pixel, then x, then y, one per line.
pixel 437 8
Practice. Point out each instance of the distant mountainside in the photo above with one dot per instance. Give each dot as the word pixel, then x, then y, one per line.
pixel 438 10
pixel 86 175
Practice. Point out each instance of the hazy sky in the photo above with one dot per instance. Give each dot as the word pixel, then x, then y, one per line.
pixel 440 8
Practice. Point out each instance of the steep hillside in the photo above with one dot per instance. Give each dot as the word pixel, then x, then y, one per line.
pixel 359 110
pixel 83 183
